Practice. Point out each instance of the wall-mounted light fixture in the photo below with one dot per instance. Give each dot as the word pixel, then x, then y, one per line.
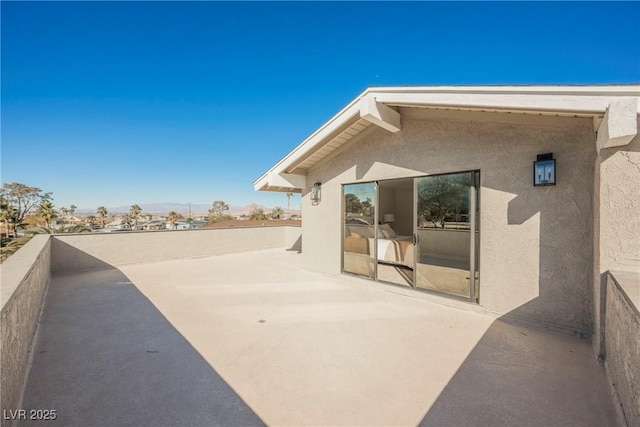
pixel 315 193
pixel 544 170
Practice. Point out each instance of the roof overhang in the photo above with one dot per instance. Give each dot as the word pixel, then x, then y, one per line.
pixel 379 106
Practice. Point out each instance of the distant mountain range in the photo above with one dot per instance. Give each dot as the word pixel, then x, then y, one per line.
pixel 182 208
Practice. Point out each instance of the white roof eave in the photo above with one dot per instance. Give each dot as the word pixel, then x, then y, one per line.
pixel 565 100
pixel 347 113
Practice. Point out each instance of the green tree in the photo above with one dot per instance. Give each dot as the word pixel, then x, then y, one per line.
pixel 352 204
pixel 72 210
pixel 47 212
pixel 91 219
pixel 277 212
pixel 134 211
pixel 257 214
pixel 367 207
pixel 173 218
pixel 23 199
pixel 102 213
pixel 8 215
pixel 11 247
pixel 218 207
pixel 441 196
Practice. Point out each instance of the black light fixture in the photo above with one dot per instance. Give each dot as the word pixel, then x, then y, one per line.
pixel 544 170
pixel 315 193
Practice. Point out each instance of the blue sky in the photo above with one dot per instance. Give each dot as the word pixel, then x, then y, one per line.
pixel 115 103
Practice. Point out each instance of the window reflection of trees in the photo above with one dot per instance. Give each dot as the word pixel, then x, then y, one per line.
pixel 358 210
pixel 443 201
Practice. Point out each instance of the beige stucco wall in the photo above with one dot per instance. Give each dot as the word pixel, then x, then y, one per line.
pixel 616 221
pixel 619 186
pixel 89 251
pixel 25 277
pixel 536 243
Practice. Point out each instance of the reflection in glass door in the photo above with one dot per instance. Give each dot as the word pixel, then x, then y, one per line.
pixel 445 235
pixel 359 246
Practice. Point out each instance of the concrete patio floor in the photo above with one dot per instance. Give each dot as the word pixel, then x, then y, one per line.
pixel 251 338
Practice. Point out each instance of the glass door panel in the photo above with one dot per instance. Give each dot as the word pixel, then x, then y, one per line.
pixel 445 248
pixel 395 260
pixel 359 243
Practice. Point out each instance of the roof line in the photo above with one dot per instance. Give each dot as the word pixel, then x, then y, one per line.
pixel 352 108
pixel 324 126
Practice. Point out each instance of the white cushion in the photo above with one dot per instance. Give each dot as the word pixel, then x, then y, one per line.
pixel 387 231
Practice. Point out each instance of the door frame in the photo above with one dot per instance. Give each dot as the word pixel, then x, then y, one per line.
pixel 474 232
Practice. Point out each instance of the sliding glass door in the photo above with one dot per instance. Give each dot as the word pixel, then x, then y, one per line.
pixel 415 232
pixel 359 245
pixel 445 236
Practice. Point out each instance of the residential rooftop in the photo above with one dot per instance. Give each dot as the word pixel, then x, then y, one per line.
pixel 252 338
pixel 514 302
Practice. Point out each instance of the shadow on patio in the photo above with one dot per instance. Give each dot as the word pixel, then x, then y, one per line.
pixel 526 377
pixel 208 341
pixel 105 356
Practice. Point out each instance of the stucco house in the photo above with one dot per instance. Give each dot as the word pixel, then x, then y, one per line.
pixel 513 198
pixel 472 242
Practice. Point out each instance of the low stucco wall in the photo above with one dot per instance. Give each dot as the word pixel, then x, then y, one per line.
pixel 25 277
pixel 622 341
pixel 293 238
pixel 90 251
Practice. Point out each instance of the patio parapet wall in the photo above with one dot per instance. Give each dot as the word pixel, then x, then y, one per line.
pixel 27 273
pixel 91 251
pixel 620 335
pixel 25 277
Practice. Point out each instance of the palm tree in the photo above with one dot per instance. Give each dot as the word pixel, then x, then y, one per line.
pixel 47 212
pixel 173 217
pixel 277 212
pixel 65 214
pixel 102 213
pixel 76 228
pixel 126 219
pixel 72 210
pixel 289 195
pixel 135 211
pixel 91 219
